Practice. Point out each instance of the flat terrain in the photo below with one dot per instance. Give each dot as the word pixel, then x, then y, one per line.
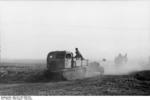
pixel 35 82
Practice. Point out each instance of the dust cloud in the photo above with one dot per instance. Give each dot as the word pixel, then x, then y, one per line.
pixel 131 66
pixel 110 68
pixel 94 69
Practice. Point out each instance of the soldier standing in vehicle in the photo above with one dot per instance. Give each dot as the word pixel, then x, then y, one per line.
pixel 78 54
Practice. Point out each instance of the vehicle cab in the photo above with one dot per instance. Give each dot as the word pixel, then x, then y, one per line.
pixel 58 60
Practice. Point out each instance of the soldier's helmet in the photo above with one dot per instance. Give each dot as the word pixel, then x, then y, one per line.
pixel 76 48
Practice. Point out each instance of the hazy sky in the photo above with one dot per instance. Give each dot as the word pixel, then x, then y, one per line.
pixel 30 29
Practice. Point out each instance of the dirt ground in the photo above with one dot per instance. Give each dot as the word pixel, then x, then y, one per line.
pixel 99 85
pixel 35 82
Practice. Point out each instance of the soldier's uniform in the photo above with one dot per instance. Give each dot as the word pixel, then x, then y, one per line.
pixel 78 54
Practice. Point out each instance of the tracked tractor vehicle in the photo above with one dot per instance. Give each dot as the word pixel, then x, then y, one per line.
pixel 63 65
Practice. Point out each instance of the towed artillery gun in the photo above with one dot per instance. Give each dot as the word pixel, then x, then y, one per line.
pixel 63 65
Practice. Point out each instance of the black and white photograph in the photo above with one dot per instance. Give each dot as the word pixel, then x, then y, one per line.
pixel 74 48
